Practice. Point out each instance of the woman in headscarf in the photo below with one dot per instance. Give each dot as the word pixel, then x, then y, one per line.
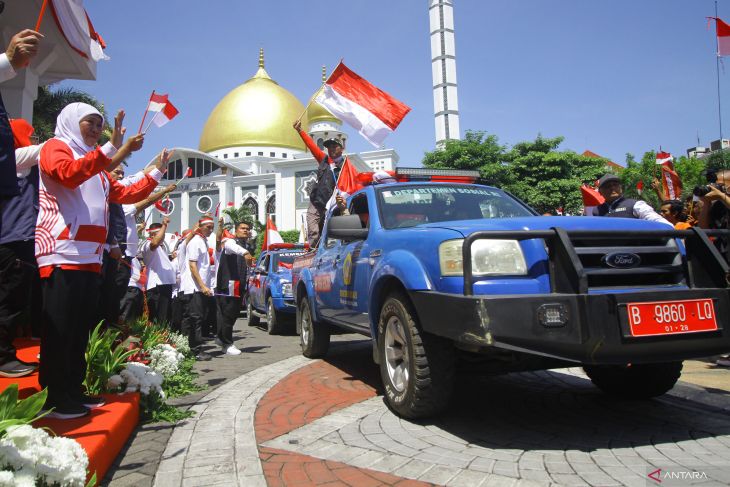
pixel 74 195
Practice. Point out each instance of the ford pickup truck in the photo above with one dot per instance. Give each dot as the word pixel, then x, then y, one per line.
pixel 443 274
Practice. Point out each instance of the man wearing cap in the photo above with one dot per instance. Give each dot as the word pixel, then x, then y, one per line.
pixel 327 173
pixel 160 272
pixel 194 284
pixel 617 206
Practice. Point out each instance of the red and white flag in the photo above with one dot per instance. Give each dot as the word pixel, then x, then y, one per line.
pixel 164 205
pixel 347 183
pixel 723 36
pixel 367 108
pixel 162 108
pixel 640 187
pixel 665 159
pixel 76 27
pixel 591 199
pixel 671 184
pixel 271 234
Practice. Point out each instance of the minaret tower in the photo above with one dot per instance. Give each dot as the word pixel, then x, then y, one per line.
pixel 443 67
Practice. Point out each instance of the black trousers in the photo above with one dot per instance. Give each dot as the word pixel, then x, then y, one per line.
pixel 209 320
pixel 176 314
pixel 193 316
pixel 69 315
pixel 17 267
pixel 227 312
pixel 158 303
pixel 130 308
pixel 108 303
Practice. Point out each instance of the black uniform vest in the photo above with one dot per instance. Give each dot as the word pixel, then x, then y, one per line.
pixel 621 208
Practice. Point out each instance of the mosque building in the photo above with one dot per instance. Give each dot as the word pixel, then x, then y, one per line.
pixel 250 155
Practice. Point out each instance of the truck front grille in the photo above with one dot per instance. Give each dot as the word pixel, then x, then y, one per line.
pixel 661 261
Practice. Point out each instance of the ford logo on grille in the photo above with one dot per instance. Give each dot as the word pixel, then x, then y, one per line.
pixel 621 260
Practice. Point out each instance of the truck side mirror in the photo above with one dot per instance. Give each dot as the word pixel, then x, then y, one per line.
pixel 346 227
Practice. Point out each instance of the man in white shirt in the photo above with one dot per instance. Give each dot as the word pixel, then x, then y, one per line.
pixel 194 284
pixel 160 272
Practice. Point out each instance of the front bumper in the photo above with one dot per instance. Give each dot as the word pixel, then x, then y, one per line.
pixel 596 331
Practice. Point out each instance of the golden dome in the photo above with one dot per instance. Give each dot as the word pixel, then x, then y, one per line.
pixel 318 113
pixel 257 113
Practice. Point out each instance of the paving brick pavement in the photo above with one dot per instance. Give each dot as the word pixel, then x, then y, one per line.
pixel 543 428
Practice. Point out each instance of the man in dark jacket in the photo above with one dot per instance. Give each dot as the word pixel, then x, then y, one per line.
pixel 327 174
pixel 617 206
pixel 18 210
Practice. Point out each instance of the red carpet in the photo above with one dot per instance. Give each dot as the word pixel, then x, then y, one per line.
pixel 102 434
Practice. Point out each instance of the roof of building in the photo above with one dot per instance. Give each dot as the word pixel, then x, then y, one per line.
pixel 609 162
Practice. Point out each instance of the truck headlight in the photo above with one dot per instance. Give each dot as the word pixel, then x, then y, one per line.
pixel 286 288
pixel 489 257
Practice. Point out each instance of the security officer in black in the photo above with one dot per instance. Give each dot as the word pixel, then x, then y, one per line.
pixel 617 206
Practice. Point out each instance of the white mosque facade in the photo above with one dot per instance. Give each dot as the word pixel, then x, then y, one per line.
pixel 250 155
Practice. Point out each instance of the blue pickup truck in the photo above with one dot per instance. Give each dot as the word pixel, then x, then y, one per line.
pixel 444 275
pixel 269 288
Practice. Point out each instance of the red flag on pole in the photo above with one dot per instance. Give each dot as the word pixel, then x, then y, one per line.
pixel 217 209
pixel 640 187
pixel 164 205
pixel 665 159
pixel 271 234
pixel 723 36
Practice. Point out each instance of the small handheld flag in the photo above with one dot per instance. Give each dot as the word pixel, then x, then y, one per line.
pixel 163 109
pixel 187 174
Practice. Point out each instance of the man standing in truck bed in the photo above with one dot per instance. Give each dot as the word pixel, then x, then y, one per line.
pixel 617 206
pixel 327 173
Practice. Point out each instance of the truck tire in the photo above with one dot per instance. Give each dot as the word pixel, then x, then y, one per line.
pixel 253 320
pixel 314 337
pixel 275 324
pixel 417 369
pixel 638 381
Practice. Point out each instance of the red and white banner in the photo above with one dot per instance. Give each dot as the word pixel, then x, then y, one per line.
pixel 367 108
pixel 723 36
pixel 671 184
pixel 271 234
pixel 76 27
pixel 591 199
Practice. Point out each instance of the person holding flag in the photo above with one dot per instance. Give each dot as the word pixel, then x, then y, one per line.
pixel 161 273
pixel 615 205
pixel 328 172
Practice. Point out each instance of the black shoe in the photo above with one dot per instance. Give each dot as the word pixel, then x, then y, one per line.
pixel 66 410
pixel 30 364
pixel 15 368
pixel 202 356
pixel 90 402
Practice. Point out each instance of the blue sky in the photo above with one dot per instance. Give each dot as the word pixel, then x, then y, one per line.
pixel 613 77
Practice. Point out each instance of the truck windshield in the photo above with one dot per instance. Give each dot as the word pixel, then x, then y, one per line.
pixel 284 260
pixel 413 205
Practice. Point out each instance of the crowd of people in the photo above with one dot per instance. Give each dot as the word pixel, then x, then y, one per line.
pixel 70 247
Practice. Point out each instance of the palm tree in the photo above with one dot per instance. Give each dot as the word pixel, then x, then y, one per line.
pixel 242 214
pixel 50 103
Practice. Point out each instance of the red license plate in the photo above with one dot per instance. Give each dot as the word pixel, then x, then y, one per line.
pixel 671 317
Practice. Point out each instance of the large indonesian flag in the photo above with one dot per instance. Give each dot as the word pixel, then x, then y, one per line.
pixel 665 159
pixel 367 108
pixel 271 235
pixel 723 37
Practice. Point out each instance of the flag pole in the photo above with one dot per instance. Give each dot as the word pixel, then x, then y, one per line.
pixel 151 120
pixel 717 66
pixel 324 82
pixel 145 112
pixel 40 16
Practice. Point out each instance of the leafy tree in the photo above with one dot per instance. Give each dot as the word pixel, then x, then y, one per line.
pixel 546 178
pixel 50 103
pixel 242 214
pixel 477 151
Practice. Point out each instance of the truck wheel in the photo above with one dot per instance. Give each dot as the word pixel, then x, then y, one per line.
pixel 416 368
pixel 314 337
pixel 274 320
pixel 253 320
pixel 638 381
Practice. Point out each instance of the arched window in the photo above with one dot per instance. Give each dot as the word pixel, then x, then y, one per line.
pixel 253 207
pixel 271 205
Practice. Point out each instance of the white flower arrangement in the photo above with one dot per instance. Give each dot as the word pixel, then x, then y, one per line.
pixel 179 341
pixel 29 455
pixel 137 377
pixel 165 359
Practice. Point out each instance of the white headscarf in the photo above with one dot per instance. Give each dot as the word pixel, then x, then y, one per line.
pixel 67 126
